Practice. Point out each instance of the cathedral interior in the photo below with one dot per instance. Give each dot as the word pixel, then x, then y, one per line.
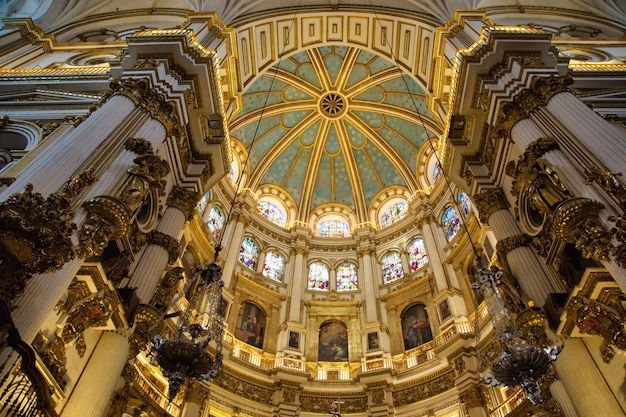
pixel 280 208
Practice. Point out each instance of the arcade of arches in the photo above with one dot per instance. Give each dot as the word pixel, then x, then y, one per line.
pixel 345 164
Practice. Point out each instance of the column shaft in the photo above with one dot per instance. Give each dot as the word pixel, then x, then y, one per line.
pixel 434 258
pixel 232 254
pixel 296 286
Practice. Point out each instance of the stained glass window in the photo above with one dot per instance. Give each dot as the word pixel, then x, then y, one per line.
pixel 333 228
pixel 203 203
pixel 318 276
pixel 271 212
pixel 451 223
pixel 417 254
pixel 274 266
pixel 392 267
pixel 465 203
pixel 249 253
pixel 346 277
pixel 215 221
pixel 394 213
pixel 437 170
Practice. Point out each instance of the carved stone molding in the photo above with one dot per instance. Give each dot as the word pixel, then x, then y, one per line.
pixel 473 397
pixel 171 245
pixel 184 199
pixel 611 185
pixel 145 97
pixel 576 221
pixel 508 244
pixel 139 146
pixel 421 390
pixel 319 403
pixel 195 392
pixel 107 219
pixel 167 288
pixel 489 202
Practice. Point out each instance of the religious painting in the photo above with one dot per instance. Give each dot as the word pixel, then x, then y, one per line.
pixel 251 325
pixel 444 310
pixel 372 341
pixel 294 340
pixel 333 342
pixel 416 326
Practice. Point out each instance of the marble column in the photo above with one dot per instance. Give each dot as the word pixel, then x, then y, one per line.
pixel 523 263
pixel 584 383
pixel 234 245
pixel 97 382
pixel 434 256
pixel 297 284
pixel 367 283
pixel 559 393
pixel 163 248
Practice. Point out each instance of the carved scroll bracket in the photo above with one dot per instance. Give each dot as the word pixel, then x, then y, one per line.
pixel 107 219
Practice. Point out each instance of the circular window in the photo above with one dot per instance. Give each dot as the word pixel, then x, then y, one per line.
pixel 333 105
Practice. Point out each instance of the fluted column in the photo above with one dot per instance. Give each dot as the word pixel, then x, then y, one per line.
pixel 97 382
pixel 585 385
pixel 523 263
pixel 163 246
pixel 367 283
pixel 297 284
pixel 234 245
pixel 559 393
pixel 434 257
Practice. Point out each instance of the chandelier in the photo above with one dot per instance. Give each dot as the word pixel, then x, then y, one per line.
pixel 521 363
pixel 186 357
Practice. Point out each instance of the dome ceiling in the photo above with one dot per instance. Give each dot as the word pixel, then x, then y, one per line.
pixel 333 125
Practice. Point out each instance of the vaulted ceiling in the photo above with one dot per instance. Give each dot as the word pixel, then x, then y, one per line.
pixel 333 125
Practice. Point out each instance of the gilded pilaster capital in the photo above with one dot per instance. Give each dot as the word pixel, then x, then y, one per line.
pixel 472 397
pixel 510 243
pixel 171 245
pixel 489 202
pixel 184 199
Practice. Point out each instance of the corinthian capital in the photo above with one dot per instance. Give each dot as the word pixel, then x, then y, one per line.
pixel 489 202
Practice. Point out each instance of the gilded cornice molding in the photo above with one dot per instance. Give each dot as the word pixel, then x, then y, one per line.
pixel 183 199
pixel 489 202
pixel 171 245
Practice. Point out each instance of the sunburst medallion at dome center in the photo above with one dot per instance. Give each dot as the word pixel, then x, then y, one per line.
pixel 333 105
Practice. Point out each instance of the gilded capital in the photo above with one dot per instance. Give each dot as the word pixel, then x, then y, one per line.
pixel 107 219
pixel 489 202
pixel 472 397
pixel 184 199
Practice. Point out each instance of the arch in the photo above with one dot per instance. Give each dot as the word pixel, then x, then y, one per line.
pixel 250 326
pixel 391 267
pixel 336 211
pixel 333 342
pixel 279 198
pixel 395 209
pixel 249 252
pixel 272 209
pixel 318 276
pixel 415 324
pixel 332 225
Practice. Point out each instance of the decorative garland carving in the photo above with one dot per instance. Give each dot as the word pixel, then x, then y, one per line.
pixel 184 199
pixel 489 202
pixel 424 389
pixel 473 397
pixel 107 219
pixel 171 245
pixel 576 221
pixel 35 233
pixel 611 185
pixel 244 388
pixel 323 404
pixel 508 244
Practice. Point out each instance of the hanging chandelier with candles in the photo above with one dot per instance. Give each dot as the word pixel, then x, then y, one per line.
pixel 186 356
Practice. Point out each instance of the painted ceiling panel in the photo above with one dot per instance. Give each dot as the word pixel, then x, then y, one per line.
pixel 366 111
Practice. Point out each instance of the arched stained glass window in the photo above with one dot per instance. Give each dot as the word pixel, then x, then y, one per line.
pixel 394 213
pixel 465 203
pixel 451 223
pixel 346 277
pixel 392 267
pixel 274 266
pixel 215 221
pixel 333 228
pixel 249 253
pixel 437 171
pixel 204 201
pixel 271 212
pixel 417 254
pixel 318 276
